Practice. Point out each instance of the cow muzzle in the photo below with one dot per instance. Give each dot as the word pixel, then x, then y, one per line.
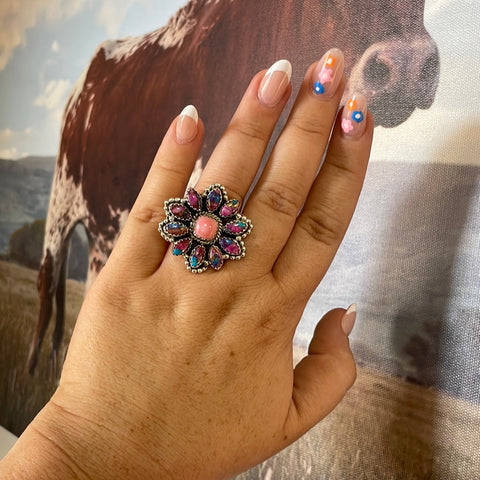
pixel 397 76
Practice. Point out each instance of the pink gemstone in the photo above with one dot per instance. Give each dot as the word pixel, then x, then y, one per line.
pixel 181 246
pixel 179 211
pixel 193 199
pixel 236 228
pixel 206 228
pixel 232 247
pixel 230 208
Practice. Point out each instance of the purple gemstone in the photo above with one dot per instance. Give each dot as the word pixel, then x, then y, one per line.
pixel 175 229
pixel 236 228
pixel 197 256
pixel 230 208
pixel 181 246
pixel 215 258
pixel 213 199
pixel 230 246
pixel 193 199
pixel 179 211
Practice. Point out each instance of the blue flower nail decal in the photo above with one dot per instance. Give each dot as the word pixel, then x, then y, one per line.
pixel 357 116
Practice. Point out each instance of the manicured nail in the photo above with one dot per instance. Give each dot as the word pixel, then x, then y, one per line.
pixel 353 116
pixel 187 124
pixel 348 320
pixel 328 73
pixel 274 83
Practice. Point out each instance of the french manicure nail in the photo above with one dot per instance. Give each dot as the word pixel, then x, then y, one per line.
pixel 348 319
pixel 328 73
pixel 353 116
pixel 187 124
pixel 274 83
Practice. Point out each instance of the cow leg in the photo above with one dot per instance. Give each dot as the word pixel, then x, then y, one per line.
pixel 46 287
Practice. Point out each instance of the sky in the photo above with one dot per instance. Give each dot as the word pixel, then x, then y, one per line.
pixel 46 44
pixel 44 47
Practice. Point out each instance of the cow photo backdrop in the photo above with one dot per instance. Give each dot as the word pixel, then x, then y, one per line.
pixel 83 113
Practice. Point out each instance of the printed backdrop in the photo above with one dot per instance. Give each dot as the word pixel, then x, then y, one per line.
pixel 409 260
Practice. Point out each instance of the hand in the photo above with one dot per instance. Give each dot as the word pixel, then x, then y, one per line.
pixel 171 374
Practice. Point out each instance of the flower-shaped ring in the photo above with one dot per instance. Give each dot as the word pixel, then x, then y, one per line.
pixel 206 229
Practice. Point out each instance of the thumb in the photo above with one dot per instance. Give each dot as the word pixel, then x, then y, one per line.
pixel 323 377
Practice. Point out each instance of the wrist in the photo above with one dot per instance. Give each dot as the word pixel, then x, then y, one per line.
pixel 58 446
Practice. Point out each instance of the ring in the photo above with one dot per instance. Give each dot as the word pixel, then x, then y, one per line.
pixel 206 229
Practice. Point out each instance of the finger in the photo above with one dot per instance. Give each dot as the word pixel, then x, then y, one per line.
pixel 323 377
pixel 329 208
pixel 140 246
pixel 281 191
pixel 236 158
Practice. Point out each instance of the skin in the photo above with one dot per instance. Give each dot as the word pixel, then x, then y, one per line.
pixel 175 375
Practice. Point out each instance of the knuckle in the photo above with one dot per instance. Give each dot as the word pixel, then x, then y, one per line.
pixel 323 226
pixel 342 366
pixel 249 130
pixel 281 198
pixel 146 214
pixel 339 167
pixel 173 171
pixel 308 127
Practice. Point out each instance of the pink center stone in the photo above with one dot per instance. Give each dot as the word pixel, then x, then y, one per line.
pixel 206 228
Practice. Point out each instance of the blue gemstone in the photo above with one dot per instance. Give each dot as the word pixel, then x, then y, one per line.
pixel 213 199
pixel 175 229
pixel 197 256
pixel 215 258
pixel 357 116
pixel 318 88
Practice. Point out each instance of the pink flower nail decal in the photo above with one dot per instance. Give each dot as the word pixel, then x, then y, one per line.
pixel 325 75
pixel 347 125
pixel 328 73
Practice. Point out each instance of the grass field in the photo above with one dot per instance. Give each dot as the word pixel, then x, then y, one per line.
pixel 385 428
pixel 22 395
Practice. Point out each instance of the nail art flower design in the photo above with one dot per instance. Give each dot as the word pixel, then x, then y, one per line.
pixel 347 125
pixel 357 116
pixel 205 228
pixel 353 115
pixel 325 75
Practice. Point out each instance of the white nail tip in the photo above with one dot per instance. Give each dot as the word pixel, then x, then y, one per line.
pixel 190 111
pixel 281 66
pixel 351 309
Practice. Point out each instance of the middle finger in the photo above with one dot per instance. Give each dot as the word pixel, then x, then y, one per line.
pixel 236 158
pixel 284 185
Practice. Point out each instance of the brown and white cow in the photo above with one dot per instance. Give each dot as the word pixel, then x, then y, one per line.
pixel 206 55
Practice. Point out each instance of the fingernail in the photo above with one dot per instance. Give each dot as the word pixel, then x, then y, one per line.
pixel 353 116
pixel 328 73
pixel 274 83
pixel 348 320
pixel 187 124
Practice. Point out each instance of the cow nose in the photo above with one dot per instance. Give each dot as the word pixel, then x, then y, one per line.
pixel 400 73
